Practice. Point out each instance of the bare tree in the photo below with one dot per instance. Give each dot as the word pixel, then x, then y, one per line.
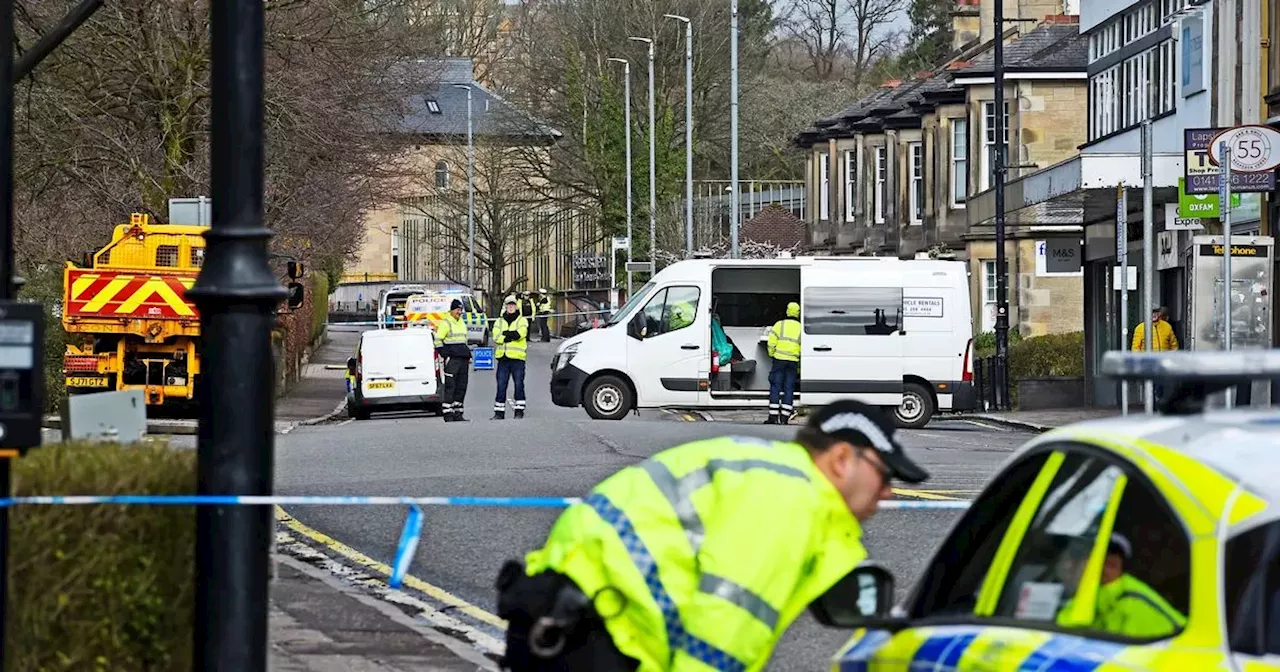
pixel 115 121
pixel 820 28
pixel 872 34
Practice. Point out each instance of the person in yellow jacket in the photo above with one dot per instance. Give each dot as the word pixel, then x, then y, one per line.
pixel 511 335
pixel 1125 605
pixel 1162 337
pixel 784 350
pixel 702 556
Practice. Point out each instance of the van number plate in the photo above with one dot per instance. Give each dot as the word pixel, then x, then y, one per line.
pixel 86 381
pixel 380 385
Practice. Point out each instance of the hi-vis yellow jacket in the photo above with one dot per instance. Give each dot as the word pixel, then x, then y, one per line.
pixel 712 549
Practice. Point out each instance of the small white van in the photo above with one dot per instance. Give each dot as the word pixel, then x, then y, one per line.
pixel 890 332
pixel 394 370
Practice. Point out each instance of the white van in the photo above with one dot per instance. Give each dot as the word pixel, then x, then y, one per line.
pixel 394 370
pixel 890 332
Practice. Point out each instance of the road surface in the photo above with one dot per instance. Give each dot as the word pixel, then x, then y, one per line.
pixel 558 452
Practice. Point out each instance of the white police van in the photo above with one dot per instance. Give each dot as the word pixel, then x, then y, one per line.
pixel 890 332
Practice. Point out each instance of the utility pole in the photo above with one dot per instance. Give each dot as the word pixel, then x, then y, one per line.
pixel 236 294
pixel 688 133
pixel 734 200
pixel 998 170
pixel 626 116
pixel 653 175
pixel 1148 252
pixel 471 195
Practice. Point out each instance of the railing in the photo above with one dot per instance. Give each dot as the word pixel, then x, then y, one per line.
pixel 987 375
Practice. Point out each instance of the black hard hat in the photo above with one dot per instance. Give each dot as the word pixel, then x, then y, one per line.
pixel 457 304
pixel 866 426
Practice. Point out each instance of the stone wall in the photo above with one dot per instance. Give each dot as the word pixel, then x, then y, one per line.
pixel 1052 120
pixel 1038 304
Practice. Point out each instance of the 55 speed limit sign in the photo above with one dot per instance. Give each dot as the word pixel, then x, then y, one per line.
pixel 1253 148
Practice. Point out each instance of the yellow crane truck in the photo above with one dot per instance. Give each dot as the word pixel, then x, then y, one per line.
pixel 129 325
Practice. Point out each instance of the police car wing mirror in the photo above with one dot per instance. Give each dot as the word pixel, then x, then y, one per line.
pixel 863 598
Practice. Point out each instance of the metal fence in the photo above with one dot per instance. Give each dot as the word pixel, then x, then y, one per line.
pixel 987 376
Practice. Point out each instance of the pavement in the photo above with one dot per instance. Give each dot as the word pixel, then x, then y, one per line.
pixel 554 452
pixel 1043 421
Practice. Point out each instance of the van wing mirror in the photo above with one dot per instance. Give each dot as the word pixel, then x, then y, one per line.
pixel 862 599
pixel 635 327
pixel 352 363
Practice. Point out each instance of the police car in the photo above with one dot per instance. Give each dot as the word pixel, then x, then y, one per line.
pixel 1131 543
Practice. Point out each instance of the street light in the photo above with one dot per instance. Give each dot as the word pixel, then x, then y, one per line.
pixel 653 193
pixel 471 195
pixel 734 202
pixel 626 71
pixel 688 133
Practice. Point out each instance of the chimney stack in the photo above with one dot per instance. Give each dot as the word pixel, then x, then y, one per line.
pixel 966 23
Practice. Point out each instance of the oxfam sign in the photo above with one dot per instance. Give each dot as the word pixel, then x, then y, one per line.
pixel 1201 206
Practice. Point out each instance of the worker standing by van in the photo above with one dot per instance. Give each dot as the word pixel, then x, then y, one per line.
pixel 451 343
pixel 511 334
pixel 784 350
pixel 544 313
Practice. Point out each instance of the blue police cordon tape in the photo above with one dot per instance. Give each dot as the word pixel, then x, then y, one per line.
pixel 410 536
pixel 374 323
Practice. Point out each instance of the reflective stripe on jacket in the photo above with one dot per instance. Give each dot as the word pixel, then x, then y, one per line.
pixel 451 336
pixel 784 340
pixel 1162 337
pixel 517 349
pixel 706 552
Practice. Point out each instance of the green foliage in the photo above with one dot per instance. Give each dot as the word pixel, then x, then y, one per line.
pixel 984 344
pixel 1048 355
pixel 44 285
pixel 102 587
pixel 319 304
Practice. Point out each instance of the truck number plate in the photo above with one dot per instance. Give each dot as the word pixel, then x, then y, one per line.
pixel 380 385
pixel 86 381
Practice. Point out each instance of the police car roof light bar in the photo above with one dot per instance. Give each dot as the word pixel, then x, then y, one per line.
pixel 1192 376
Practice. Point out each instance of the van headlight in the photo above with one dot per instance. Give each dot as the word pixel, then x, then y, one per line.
pixel 564 356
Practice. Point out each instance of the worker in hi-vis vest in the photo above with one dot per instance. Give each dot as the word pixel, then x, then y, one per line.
pixel 700 557
pixel 784 350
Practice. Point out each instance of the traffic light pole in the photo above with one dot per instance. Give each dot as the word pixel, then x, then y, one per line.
pixel 10 74
pixel 237 295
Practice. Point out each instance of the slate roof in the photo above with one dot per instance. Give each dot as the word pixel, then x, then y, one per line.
pixel 440 110
pixel 1053 46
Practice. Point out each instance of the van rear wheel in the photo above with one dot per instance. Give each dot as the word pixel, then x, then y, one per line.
pixel 608 398
pixel 916 408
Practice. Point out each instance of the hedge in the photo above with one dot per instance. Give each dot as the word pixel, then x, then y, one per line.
pixel 319 304
pixel 1039 356
pixel 102 587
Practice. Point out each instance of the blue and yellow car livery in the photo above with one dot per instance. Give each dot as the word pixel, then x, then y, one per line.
pixel 1196 494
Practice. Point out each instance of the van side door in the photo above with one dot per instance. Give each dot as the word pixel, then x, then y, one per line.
pixel 852 341
pixel 669 348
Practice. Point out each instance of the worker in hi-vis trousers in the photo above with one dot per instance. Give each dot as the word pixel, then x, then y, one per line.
pixel 451 343
pixel 511 335
pixel 784 350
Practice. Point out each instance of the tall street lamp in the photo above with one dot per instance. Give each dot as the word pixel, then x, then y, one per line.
pixel 734 202
pixel 626 71
pixel 653 193
pixel 688 133
pixel 471 194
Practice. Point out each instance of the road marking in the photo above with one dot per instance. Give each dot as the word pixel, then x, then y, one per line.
pixel 925 494
pixel 984 425
pixel 688 417
pixel 345 422
pixel 434 592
